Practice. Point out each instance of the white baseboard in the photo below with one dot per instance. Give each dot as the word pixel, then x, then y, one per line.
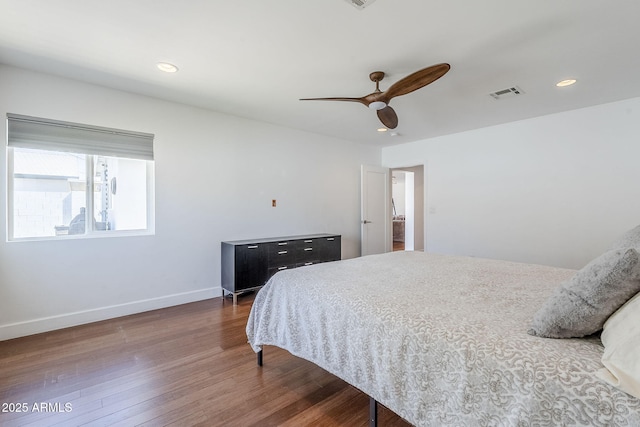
pixel 45 324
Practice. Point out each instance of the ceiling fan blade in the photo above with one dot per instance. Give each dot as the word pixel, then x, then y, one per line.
pixel 360 100
pixel 388 117
pixel 416 80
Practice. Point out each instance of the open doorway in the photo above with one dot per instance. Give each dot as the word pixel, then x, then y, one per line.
pixel 407 193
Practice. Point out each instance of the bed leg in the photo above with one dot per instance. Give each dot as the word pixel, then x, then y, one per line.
pixel 373 412
pixel 260 358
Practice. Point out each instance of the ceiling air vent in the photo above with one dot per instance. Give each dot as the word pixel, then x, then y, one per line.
pixel 507 93
pixel 360 4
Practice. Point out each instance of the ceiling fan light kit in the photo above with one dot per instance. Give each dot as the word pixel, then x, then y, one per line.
pixel 379 101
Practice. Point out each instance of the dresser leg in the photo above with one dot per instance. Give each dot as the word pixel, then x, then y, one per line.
pixel 373 412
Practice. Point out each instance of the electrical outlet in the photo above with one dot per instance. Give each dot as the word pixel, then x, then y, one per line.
pixel 273 203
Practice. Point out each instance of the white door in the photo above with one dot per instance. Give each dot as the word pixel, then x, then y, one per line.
pixel 375 193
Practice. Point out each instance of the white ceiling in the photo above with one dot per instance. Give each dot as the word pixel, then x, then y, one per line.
pixel 256 58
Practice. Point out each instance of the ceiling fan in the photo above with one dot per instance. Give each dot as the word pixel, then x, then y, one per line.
pixel 379 100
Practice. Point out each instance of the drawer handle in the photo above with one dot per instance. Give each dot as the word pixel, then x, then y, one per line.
pixel 282 252
pixel 331 238
pixel 308 249
pixel 308 241
pixel 252 247
pixel 282 268
pixel 308 263
pixel 282 243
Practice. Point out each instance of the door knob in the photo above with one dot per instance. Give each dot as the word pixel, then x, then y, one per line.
pixel 366 222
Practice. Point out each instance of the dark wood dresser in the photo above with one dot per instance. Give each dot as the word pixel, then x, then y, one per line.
pixel 248 264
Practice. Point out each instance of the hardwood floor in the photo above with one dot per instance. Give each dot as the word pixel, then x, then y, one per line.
pixel 188 365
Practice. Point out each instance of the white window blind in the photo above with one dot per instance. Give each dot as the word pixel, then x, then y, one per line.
pixel 46 134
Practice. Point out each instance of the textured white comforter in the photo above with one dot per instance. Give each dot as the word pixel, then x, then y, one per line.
pixel 440 340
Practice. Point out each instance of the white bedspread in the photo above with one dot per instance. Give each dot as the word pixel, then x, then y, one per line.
pixel 440 340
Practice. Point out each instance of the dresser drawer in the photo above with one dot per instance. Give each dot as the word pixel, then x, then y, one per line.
pixel 282 253
pixel 330 248
pixel 274 270
pixel 243 266
pixel 307 251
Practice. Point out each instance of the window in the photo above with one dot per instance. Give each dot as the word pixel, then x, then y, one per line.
pixel 58 169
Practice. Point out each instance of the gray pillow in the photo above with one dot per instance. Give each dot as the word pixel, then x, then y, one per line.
pixel 630 239
pixel 581 305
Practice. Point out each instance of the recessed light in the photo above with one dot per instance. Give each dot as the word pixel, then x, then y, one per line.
pixel 382 129
pixel 166 67
pixel 567 82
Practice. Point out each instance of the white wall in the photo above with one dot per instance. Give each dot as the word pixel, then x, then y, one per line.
pixel 215 178
pixel 553 190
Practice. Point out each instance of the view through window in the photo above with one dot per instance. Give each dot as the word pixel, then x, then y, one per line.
pixel 55 193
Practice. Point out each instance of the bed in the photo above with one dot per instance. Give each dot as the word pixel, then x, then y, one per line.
pixel 441 340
